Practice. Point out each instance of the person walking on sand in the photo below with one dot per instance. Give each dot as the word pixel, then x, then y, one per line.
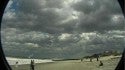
pixel 32 64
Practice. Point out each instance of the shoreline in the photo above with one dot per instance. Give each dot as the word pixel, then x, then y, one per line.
pixel 109 64
pixel 12 61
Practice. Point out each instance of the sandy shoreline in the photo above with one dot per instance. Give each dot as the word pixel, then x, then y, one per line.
pixel 109 64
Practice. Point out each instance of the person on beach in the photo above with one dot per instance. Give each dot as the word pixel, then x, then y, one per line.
pixel 97 57
pixel 32 64
pixel 16 64
pixel 81 59
pixel 101 63
pixel 90 59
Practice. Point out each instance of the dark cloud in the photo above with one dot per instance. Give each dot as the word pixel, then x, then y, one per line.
pixel 94 15
pixel 97 17
pixel 62 28
pixel 87 6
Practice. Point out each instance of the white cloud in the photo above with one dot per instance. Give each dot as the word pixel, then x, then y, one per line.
pixel 87 36
pixel 9 15
pixel 31 45
pixel 117 18
pixel 64 36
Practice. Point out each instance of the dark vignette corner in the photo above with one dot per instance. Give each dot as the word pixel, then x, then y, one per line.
pixel 3 62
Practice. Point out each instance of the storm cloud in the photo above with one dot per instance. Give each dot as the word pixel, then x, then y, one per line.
pixel 62 28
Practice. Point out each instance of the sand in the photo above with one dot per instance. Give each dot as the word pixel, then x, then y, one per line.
pixel 109 64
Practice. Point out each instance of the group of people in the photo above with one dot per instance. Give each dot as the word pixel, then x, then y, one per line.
pixel 100 64
pixel 32 65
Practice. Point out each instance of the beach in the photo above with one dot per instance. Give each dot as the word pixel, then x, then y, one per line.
pixel 110 63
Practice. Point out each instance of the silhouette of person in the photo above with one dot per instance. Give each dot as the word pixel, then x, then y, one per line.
pixel 90 59
pixel 97 57
pixel 81 59
pixel 101 64
pixel 17 64
pixel 32 64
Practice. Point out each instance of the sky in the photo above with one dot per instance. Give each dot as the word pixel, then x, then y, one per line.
pixel 62 28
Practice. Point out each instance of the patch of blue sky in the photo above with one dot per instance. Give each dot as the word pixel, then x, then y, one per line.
pixel 14 5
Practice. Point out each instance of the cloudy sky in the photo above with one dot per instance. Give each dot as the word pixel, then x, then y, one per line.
pixel 62 28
